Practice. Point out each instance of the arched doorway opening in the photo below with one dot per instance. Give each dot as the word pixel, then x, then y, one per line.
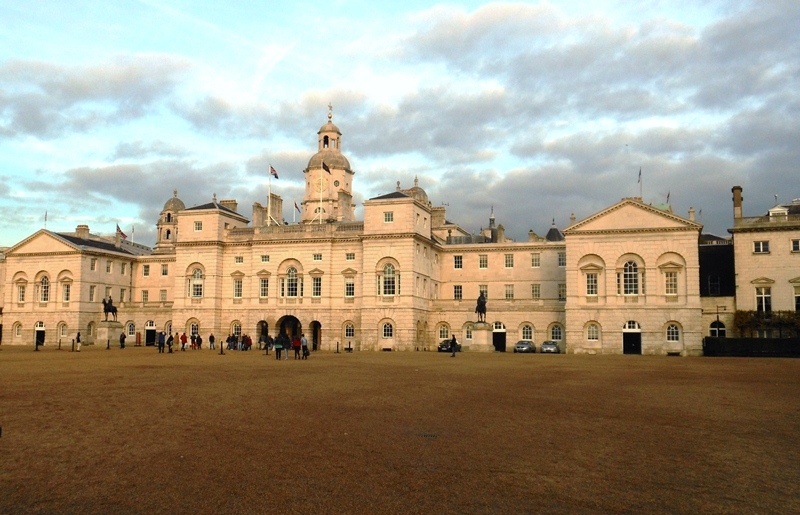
pixel 290 326
pixel 499 337
pixel 631 337
pixel 262 330
pixel 315 336
pixel 39 333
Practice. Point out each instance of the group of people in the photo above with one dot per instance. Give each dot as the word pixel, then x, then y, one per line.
pixel 241 342
pixel 284 343
pixel 233 342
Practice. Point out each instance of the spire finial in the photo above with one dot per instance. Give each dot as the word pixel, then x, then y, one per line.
pixel 330 111
pixel 175 193
pixel 416 181
pixel 214 198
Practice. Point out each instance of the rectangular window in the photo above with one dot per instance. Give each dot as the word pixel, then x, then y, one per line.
pixel 317 257
pixel 536 291
pixel 350 256
pixel 162 295
pixel 483 261
pixel 458 262
pixel 145 295
pixel 108 292
pixel 457 292
pixel 316 286
pixel 238 260
pixel 122 293
pixel 535 260
pixel 65 292
pixel 509 289
pixel 761 247
pixel 198 226
pixel 484 288
pixel 795 245
pixel 509 260
pixel 93 264
pixel 263 288
pixel 388 216
pixel 20 294
pixel 764 299
pixel 237 288
pixel 562 292
pixel 123 268
pixel 145 270
pixel 562 259
pixel 92 289
pixel 264 258
pixel 349 288
pixel 671 283
pixel 591 284
pixel 164 269
pixel 108 267
pixel 797 298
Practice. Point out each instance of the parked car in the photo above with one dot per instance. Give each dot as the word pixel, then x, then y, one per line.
pixel 444 346
pixel 550 346
pixel 525 346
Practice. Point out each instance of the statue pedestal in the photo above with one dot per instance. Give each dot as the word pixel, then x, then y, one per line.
pixel 481 338
pixel 108 331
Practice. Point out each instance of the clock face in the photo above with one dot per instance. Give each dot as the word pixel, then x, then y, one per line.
pixel 321 184
pixel 336 183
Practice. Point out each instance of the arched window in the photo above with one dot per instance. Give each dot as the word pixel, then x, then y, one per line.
pixel 673 333
pixel 527 332
pixel 388 330
pixel 194 328
pixel 236 329
pixel 196 283
pixel 168 218
pixel 168 234
pixel 349 331
pixel 131 329
pixel 630 278
pixel 593 332
pixel 444 332
pixel 325 142
pixel 291 282
pixel 468 332
pixel 556 333
pixel 389 281
pixel 44 291
pixel 717 330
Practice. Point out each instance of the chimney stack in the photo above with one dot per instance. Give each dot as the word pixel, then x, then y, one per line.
pixel 737 202
pixel 82 232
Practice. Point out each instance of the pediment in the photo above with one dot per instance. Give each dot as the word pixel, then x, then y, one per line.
pixel 592 267
pixel 316 271
pixel 670 264
pixel 42 241
pixel 237 274
pixel 796 280
pixel 762 280
pixel 263 273
pixel 631 215
pixel 349 272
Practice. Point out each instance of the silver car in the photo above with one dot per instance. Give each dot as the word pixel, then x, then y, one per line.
pixel 550 346
pixel 525 346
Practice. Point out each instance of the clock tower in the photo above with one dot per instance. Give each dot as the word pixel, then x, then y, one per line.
pixel 329 179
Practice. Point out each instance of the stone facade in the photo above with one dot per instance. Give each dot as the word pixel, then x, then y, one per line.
pixel 404 278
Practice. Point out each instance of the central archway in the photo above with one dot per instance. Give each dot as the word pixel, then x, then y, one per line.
pixel 290 326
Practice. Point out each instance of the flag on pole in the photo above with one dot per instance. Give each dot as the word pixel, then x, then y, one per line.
pixel 298 208
pixel 640 176
pixel 45 216
pixel 120 233
pixel 325 167
pixel 273 171
pixel 668 197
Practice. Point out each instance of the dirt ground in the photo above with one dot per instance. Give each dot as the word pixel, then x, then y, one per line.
pixel 134 431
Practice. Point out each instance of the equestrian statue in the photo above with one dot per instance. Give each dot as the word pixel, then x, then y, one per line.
pixel 480 309
pixel 109 307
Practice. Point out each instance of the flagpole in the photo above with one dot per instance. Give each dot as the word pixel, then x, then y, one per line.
pixel 269 195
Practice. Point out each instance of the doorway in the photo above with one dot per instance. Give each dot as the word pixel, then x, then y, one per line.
pixel 631 338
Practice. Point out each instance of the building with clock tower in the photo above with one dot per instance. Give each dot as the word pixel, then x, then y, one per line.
pixel 329 180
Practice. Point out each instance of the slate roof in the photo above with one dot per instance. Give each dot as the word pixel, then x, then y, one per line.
pixel 394 194
pixel 95 244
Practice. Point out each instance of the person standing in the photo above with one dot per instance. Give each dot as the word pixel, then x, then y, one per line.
pixel 278 346
pixel 161 342
pixel 122 340
pixel 296 346
pixel 78 341
pixel 211 341
pixel 170 341
pixel 199 342
pixel 304 345
pixel 453 346
pixel 183 341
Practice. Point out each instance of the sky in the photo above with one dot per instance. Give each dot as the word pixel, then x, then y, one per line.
pixel 535 110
